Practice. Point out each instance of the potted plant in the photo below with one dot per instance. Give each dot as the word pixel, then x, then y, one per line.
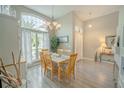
pixel 54 43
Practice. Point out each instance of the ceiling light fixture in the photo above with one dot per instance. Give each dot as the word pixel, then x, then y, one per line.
pixel 53 25
pixel 90 25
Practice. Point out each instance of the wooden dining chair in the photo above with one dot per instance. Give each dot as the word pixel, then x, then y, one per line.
pixel 42 62
pixel 45 51
pixel 70 68
pixel 50 65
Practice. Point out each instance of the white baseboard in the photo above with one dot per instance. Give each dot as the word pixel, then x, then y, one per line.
pixel 108 62
pixel 86 58
pixel 79 60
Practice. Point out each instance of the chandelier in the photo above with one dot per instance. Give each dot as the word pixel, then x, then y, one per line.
pixel 53 25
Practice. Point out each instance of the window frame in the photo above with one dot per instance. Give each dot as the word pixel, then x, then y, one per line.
pixel 11 12
pixel 34 15
pixel 34 31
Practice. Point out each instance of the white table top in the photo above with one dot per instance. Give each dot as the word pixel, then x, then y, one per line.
pixel 57 58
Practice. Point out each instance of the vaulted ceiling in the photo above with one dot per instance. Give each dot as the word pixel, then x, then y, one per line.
pixel 84 12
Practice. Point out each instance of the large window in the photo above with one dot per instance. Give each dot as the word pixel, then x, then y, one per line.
pixel 7 10
pixel 34 36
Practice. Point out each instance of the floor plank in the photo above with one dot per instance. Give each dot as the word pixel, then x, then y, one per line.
pixel 88 75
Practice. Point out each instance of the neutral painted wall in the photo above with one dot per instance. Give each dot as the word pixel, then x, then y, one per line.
pixel 8 38
pixel 9 43
pixel 66 30
pixel 78 36
pixel 102 26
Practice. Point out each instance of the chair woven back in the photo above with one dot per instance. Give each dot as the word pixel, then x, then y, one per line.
pixel 45 51
pixel 71 64
pixel 42 61
pixel 48 60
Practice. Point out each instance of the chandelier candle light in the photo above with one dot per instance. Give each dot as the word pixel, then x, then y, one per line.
pixel 53 25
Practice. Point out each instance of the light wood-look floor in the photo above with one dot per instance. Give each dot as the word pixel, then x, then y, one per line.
pixel 88 75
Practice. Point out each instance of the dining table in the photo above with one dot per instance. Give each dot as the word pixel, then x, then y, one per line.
pixel 59 59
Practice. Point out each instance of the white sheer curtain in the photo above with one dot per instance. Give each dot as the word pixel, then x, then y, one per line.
pixel 46 41
pixel 42 40
pixel 26 45
pixel 34 36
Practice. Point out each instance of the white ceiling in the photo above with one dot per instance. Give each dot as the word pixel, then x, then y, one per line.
pixel 84 12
